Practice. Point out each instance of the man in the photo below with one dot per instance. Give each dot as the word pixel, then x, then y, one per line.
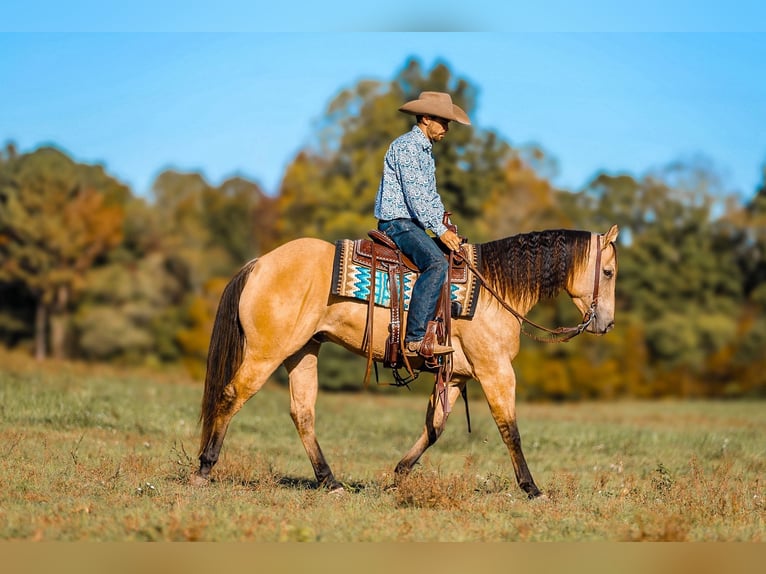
pixel 408 204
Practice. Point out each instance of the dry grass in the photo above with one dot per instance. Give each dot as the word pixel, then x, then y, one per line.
pixel 100 454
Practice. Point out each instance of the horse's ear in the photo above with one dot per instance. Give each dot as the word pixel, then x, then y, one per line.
pixel 611 235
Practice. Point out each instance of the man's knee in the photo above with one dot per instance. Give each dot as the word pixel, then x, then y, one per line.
pixel 439 266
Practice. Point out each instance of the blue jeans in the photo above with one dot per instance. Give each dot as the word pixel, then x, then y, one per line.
pixel 416 244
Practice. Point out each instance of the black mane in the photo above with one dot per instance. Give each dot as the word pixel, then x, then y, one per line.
pixel 533 266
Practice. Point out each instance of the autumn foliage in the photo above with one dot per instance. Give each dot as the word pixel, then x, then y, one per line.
pixel 90 270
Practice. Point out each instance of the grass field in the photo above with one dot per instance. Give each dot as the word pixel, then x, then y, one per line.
pixel 101 455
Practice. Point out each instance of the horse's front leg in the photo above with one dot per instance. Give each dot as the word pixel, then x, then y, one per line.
pixel 304 384
pixel 436 420
pixel 500 391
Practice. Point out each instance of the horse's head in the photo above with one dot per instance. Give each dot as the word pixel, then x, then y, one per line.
pixel 592 286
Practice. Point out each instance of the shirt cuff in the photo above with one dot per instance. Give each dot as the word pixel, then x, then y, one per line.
pixel 439 229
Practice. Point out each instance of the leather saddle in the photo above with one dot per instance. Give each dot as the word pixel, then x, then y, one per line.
pixel 381 249
pixel 380 252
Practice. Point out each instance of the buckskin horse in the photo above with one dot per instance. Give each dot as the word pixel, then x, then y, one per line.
pixel 279 309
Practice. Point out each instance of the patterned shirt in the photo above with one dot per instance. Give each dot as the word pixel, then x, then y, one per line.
pixel 408 186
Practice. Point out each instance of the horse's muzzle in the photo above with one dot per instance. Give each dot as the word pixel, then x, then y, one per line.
pixel 598 329
pixel 609 326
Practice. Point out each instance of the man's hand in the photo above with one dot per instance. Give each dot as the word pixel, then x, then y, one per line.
pixel 451 240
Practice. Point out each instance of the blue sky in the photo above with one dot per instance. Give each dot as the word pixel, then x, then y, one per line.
pixel 229 103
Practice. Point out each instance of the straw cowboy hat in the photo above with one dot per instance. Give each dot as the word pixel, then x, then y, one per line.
pixel 436 104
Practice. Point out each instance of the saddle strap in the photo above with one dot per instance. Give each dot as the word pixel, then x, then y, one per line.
pixel 395 326
pixel 440 330
pixel 445 372
pixel 444 313
pixel 393 354
pixel 369 331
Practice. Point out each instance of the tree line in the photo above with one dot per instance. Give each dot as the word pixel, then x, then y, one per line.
pixel 92 271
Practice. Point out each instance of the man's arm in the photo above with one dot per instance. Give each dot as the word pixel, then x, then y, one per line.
pixel 419 191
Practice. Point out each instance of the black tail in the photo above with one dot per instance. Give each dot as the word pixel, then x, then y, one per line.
pixel 227 345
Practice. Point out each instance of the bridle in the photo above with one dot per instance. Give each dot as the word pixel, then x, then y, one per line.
pixel 559 334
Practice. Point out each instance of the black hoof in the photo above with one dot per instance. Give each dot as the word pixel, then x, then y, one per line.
pixel 531 490
pixel 330 484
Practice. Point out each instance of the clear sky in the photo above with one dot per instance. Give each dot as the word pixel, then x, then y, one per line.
pixel 231 102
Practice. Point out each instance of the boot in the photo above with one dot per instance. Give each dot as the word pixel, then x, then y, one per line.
pixel 412 349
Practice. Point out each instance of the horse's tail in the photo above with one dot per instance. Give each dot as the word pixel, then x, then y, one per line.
pixel 227 346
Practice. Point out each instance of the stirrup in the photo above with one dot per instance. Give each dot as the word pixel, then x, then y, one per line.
pixel 412 349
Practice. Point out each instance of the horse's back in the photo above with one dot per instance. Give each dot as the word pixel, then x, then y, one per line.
pixel 300 248
pixel 293 266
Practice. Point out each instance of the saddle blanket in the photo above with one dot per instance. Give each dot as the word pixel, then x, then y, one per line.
pixel 352 277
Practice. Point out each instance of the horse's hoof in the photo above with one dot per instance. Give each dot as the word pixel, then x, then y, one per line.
pixel 336 489
pixel 198 480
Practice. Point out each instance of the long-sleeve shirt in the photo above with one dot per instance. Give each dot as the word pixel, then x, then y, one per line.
pixel 408 185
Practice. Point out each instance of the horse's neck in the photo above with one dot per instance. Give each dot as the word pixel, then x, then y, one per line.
pixel 521 306
pixel 518 304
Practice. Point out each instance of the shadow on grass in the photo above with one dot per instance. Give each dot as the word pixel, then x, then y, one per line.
pixel 302 483
pixel 286 482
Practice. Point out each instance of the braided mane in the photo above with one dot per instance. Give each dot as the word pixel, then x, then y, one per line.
pixel 533 266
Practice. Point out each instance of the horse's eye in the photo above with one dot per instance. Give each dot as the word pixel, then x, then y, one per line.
pixel 609 273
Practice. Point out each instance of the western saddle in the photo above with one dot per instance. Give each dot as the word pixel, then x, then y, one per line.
pixel 380 252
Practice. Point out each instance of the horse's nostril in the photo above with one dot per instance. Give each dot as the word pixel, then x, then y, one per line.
pixel 609 327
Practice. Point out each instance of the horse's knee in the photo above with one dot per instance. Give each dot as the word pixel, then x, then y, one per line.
pixel 509 432
pixel 302 419
pixel 226 406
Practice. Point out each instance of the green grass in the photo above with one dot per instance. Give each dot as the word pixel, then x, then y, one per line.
pixel 103 455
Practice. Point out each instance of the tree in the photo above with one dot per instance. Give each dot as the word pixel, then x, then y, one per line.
pixel 208 233
pixel 492 189
pixel 522 200
pixel 329 189
pixel 679 279
pixel 747 239
pixel 57 217
pixel 211 231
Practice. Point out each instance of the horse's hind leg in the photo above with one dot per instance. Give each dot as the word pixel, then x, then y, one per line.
pixel 434 427
pixel 304 384
pixel 250 377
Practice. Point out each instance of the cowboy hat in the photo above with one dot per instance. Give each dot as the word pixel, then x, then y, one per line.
pixel 436 104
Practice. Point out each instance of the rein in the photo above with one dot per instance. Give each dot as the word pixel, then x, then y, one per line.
pixel 559 334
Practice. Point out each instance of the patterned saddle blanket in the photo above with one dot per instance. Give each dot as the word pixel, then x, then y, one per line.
pixel 352 277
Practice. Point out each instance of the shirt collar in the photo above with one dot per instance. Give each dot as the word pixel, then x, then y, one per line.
pixel 421 137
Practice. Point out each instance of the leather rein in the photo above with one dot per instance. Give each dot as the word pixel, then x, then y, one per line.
pixel 559 334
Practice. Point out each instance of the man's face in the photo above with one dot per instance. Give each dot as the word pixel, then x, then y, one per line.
pixel 436 128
